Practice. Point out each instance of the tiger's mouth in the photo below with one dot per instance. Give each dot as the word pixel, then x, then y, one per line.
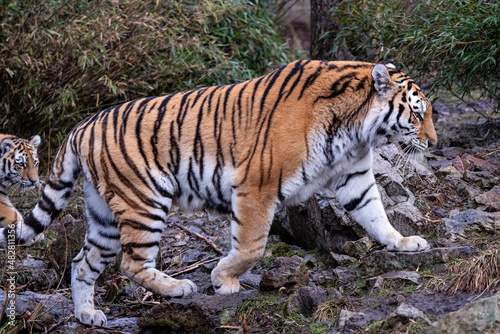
pixel 420 144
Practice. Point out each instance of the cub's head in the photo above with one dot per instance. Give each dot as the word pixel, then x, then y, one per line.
pixel 406 112
pixel 19 162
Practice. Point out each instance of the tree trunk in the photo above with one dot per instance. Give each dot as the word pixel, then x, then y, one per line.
pixel 324 29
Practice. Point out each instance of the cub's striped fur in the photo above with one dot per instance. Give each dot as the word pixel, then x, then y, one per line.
pixel 237 149
pixel 18 168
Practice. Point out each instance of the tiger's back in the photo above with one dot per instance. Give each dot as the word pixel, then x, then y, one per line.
pixel 237 149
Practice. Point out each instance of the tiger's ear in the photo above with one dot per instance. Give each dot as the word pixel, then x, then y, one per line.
pixel 35 141
pixel 5 147
pixel 381 79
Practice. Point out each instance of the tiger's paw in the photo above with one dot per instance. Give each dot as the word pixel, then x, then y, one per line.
pixel 411 244
pixel 181 288
pixel 229 286
pixel 91 317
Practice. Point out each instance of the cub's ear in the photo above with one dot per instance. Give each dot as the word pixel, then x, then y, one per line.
pixel 382 80
pixel 35 141
pixel 5 146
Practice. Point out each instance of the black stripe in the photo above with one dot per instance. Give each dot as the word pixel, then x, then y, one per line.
pixel 353 204
pixel 350 176
pixel 95 244
pixel 139 226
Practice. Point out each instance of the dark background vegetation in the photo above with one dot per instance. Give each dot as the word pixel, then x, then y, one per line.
pixel 61 61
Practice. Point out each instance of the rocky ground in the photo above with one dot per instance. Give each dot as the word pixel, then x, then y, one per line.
pixel 313 278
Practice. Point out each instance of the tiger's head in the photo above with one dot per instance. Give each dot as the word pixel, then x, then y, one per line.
pixel 19 162
pixel 407 113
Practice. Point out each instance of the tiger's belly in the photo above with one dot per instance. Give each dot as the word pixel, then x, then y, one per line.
pixel 208 188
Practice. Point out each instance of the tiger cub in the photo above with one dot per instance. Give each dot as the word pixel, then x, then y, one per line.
pixel 238 149
pixel 18 168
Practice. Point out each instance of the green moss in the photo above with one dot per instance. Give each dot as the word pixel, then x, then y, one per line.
pixel 284 250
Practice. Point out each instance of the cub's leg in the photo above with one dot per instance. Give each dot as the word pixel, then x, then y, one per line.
pixel 102 243
pixel 252 217
pixel 358 193
pixel 140 238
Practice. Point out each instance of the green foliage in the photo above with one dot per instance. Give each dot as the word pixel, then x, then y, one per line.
pixel 61 61
pixel 455 43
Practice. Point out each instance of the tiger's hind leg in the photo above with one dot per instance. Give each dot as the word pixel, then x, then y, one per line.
pixel 102 243
pixel 252 217
pixel 140 237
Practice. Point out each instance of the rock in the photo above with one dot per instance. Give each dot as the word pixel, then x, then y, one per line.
pixel 452 152
pixel 490 198
pixel 320 223
pixel 250 280
pixel 379 262
pixel 374 284
pixel 48 309
pixel 482 316
pixel 449 170
pixel 411 276
pixel 469 224
pixel 198 313
pixel 358 248
pixel 305 300
pixel 348 316
pixel 36 273
pixel 477 164
pixel 405 218
pixel 406 312
pixel 463 189
pixel 377 283
pixel 285 272
pixel 346 274
pixel 482 179
pixel 341 259
pixel 70 235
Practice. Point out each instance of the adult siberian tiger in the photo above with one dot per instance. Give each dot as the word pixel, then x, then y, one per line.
pixel 237 149
pixel 18 168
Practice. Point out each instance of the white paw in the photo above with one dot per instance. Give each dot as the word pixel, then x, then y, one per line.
pixel 181 288
pixel 92 318
pixel 411 244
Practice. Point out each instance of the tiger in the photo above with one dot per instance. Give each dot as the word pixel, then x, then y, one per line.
pixel 237 149
pixel 18 169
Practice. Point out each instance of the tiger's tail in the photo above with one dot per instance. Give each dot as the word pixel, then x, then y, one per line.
pixel 62 181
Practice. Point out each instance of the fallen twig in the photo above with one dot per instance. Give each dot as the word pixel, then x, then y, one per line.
pixel 208 241
pixel 192 267
pixel 429 220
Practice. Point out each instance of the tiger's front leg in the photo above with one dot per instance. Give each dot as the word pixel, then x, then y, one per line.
pixel 358 193
pixel 252 216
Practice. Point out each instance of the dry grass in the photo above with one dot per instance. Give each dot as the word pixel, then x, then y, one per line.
pixel 477 275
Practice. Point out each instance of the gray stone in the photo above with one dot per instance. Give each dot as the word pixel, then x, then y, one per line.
pixel 305 300
pixel 374 284
pixel 482 316
pixel 348 316
pixel 379 262
pixel 358 248
pixel 405 219
pixel 50 308
pixel 198 313
pixel 406 311
pixel 346 274
pixel 490 198
pixel 482 179
pixel 285 272
pixel 462 188
pixel 448 170
pixel 341 259
pixel 468 224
